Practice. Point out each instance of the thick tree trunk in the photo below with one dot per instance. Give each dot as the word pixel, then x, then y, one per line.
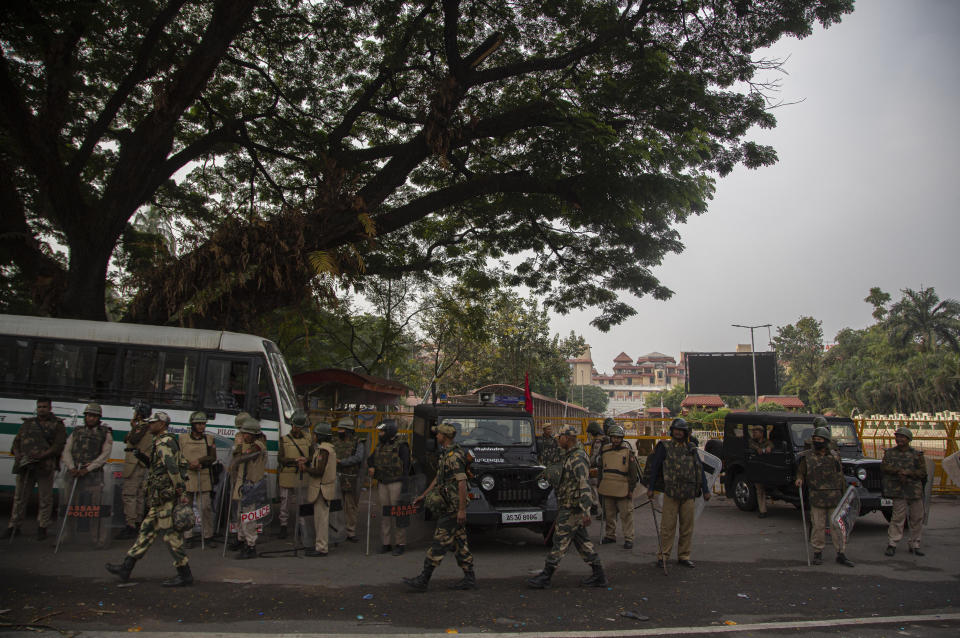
pixel 85 295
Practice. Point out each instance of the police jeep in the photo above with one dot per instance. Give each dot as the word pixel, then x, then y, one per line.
pixel 790 435
pixel 504 488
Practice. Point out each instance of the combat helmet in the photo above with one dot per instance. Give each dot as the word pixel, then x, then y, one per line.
pixel 299 418
pixel 93 408
pixel 902 431
pixel 823 432
pixel 388 428
pixel 322 430
pixel 594 428
pixel 680 424
pixel 250 425
pixel 615 430
pixel 199 417
pixel 183 518
pixel 346 423
pixel 607 424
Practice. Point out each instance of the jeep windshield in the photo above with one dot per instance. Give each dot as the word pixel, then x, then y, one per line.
pixel 842 434
pixel 491 430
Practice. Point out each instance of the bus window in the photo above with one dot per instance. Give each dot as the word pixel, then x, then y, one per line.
pixel 103 370
pixel 62 369
pixel 139 378
pixel 179 378
pixel 265 401
pixel 225 384
pixel 14 364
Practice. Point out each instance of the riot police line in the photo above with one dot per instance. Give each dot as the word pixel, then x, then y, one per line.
pixel 183 492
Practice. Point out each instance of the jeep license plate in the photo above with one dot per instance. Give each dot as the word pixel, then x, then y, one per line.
pixel 886 502
pixel 521 517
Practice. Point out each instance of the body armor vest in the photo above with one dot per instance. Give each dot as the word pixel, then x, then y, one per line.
pixel 387 464
pixel 909 487
pixel 326 484
pixel 681 471
pixel 87 443
pixel 615 465
pixel 193 450
pixel 824 478
pixel 289 475
pixel 36 437
pixel 250 471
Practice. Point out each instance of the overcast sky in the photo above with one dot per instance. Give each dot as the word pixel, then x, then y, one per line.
pixel 865 193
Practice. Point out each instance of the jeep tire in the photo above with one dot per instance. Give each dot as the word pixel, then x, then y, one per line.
pixel 744 493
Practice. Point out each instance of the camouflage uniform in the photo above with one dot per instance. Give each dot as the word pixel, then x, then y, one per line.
pixel 390 470
pixel 449 534
pixel 350 455
pixel 574 500
pixel 164 484
pixel 822 471
pixel 35 437
pixel 906 492
pixel 550 451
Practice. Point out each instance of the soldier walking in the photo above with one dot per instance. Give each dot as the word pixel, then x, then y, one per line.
pixel 446 497
pixel 165 486
pixel 759 444
pixel 84 455
pixel 139 443
pixel 36 451
pixel 351 453
pixel 619 474
pixel 295 449
pixel 574 500
pixel 390 465
pixel 200 451
pixel 822 471
pixel 678 462
pixel 904 471
pixel 249 467
pixel 322 487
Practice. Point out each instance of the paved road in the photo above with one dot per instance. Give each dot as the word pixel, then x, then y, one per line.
pixel 748 571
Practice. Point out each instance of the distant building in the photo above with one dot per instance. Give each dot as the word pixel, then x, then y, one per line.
pixel 631 381
pixel 701 403
pixel 791 403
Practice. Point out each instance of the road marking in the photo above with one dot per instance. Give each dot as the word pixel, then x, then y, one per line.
pixel 659 631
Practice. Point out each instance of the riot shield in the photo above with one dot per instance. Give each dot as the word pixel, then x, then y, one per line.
pixel 254 504
pixel 338 519
pixel 85 511
pixel 846 512
pixel 711 469
pixel 951 465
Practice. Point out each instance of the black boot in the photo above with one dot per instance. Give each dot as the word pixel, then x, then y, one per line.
pixel 10 533
pixel 843 560
pixel 817 558
pixel 182 579
pixel 234 544
pixel 283 532
pixel 597 578
pixel 542 580
pixel 123 569
pixel 469 581
pixel 191 543
pixel 246 552
pixel 420 581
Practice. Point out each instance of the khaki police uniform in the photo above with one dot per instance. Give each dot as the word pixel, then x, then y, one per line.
pixel 199 485
pixel 134 473
pixel 289 477
pixel 36 437
pixel 88 447
pixel 321 489
pixel 619 473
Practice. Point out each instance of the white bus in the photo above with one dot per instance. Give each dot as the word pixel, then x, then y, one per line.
pixel 176 370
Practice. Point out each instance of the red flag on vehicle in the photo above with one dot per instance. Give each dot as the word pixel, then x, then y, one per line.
pixel 527 397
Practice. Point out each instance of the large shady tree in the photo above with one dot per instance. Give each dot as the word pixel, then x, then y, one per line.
pixel 297 143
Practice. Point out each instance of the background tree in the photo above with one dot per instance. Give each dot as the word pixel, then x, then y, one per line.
pixel 589 396
pixel 799 349
pixel 672 399
pixel 921 317
pixel 381 137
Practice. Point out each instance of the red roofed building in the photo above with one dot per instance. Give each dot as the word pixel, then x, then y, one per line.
pixel 705 402
pixel 792 403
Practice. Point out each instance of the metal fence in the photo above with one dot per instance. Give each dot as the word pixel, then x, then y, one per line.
pixel 937 440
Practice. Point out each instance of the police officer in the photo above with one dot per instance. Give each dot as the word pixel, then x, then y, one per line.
pixel 84 455
pixel 351 453
pixel 548 452
pixel 574 501
pixel 448 500
pixel 321 467
pixel 249 467
pixel 904 471
pixel 619 474
pixel 165 486
pixel 822 471
pixel 139 443
pixel 200 451
pixel 683 481
pixel 36 451
pixel 295 449
pixel 760 445
pixel 597 439
pixel 390 465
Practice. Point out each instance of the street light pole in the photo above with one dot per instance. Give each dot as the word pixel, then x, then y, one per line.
pixel 753 357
